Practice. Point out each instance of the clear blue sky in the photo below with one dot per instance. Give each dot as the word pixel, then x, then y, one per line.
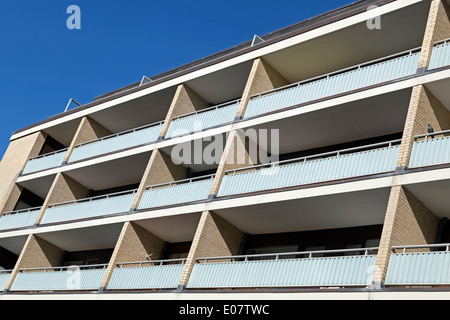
pixel 43 64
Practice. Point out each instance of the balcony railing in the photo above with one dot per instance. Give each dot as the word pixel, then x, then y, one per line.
pixel 46 161
pixel 313 169
pixel 177 192
pixel 120 141
pixel 281 270
pixel 161 274
pixel 434 149
pixel 4 278
pixel 89 208
pixel 364 75
pixel 19 219
pixel 81 278
pixel 419 268
pixel 441 55
pixel 203 119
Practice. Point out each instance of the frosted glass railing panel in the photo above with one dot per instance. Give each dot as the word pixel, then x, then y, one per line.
pixel 440 56
pixel 176 194
pixel 20 219
pixel 4 278
pixel 116 143
pixel 89 208
pixel 336 84
pixel 339 271
pixel 45 162
pixel 314 171
pixel 202 120
pixel 153 277
pixel 430 152
pixel 70 280
pixel 428 268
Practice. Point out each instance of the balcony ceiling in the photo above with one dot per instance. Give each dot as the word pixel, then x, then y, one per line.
pixel 95 238
pixel 434 195
pixel 373 117
pixel 111 174
pixel 39 186
pixel 440 90
pixel 352 209
pixel 400 30
pixel 13 244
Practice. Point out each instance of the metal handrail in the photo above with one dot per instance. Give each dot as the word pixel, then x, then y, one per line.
pixel 185 181
pixel 328 75
pixel 426 136
pixel 277 256
pixel 120 133
pixel 313 157
pixel 49 154
pixel 159 262
pixel 60 269
pixel 442 42
pixel 222 105
pixel 106 196
pixel 5 271
pixel 424 246
pixel 19 211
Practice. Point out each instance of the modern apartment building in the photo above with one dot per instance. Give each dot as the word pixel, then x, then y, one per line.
pixel 350 198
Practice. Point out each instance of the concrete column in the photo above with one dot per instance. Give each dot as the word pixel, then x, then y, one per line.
pixel 185 101
pixel 134 244
pixel 215 237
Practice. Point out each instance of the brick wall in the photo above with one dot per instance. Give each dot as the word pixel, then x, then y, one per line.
pixel 438 28
pixel 263 77
pixel 134 244
pixel 63 189
pixel 424 109
pixel 160 169
pixel 215 237
pixel 14 161
pixel 88 130
pixel 185 101
pixel 12 199
pixel 408 222
pixel 37 253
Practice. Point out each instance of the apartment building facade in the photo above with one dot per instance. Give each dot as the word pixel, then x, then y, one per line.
pixel 347 199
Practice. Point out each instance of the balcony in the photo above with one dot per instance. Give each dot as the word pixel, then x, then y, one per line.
pixel 419 268
pixel 361 76
pixel 147 275
pixel 4 277
pixel 89 208
pixel 314 169
pixel 120 141
pixel 19 219
pixel 282 270
pixel 441 55
pixel 178 192
pixel 429 152
pixel 203 119
pixel 46 161
pixel 83 278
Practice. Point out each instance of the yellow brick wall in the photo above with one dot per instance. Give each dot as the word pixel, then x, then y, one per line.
pixel 14 161
pixel 185 101
pixel 37 253
pixel 408 222
pixel 424 109
pixel 215 237
pixel 263 77
pixel 133 245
